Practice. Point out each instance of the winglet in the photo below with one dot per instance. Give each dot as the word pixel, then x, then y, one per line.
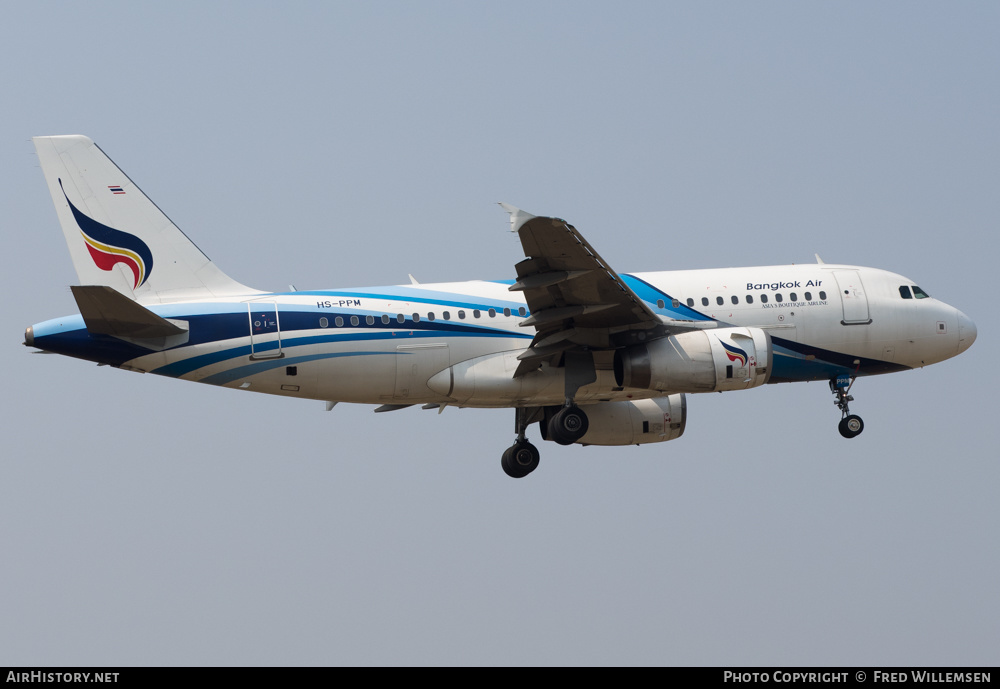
pixel 818 259
pixel 517 217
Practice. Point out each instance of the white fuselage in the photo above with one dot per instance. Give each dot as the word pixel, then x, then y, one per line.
pixel 458 343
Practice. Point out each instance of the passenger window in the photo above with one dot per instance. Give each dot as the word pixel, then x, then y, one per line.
pixel 720 301
pixel 475 313
pixel 659 303
pixel 736 300
pixel 749 298
pixel 416 318
pixel 506 311
pixel 461 315
pixel 338 321
pixel 400 318
pixel 809 296
pixel 919 293
pixel 323 323
pixel 822 295
pixel 385 319
pixel 777 298
pixel 704 301
pixel 690 301
pixel 446 315
pixel 763 299
pixel 493 313
pixel 521 311
pixel 370 320
pixel 430 316
pixel 354 320
pixel 675 303
pixel 793 296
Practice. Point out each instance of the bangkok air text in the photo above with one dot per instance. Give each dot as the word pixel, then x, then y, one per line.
pixel 758 286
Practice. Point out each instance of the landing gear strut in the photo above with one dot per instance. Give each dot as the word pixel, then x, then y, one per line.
pixel 521 458
pixel 851 425
pixel 569 424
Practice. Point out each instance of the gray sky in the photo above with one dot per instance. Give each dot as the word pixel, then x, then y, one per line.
pixel 148 521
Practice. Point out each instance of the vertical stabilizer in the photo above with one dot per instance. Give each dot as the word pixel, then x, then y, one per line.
pixel 119 238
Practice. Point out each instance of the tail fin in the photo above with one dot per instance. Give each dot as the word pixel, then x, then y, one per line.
pixel 119 238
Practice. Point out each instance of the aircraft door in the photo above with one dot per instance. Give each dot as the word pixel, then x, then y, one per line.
pixel 852 296
pixel 415 364
pixel 265 330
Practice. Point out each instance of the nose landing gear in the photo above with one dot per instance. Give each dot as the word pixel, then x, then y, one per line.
pixel 851 425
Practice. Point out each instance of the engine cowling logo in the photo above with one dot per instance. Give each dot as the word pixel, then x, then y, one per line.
pixel 735 353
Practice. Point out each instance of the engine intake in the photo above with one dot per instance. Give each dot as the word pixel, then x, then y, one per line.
pixel 698 361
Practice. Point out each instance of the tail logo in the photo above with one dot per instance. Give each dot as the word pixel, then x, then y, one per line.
pixel 108 246
pixel 735 353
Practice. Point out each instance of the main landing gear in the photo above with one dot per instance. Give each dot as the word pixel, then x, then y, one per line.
pixel 851 425
pixel 521 458
pixel 566 426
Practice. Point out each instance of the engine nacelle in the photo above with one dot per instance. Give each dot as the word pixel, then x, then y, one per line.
pixel 635 422
pixel 698 361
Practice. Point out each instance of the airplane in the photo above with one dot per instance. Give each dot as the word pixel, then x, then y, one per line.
pixel 592 356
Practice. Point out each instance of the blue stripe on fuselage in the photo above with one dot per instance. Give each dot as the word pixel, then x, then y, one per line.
pixel 229 375
pixel 650 294
pixel 185 366
pixel 796 361
pixel 415 295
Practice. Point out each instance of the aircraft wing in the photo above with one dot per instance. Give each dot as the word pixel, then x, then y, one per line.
pixel 576 299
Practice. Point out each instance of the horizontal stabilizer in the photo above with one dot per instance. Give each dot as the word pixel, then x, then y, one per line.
pixel 106 311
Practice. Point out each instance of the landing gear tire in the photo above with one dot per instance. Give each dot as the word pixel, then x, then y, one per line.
pixel 851 426
pixel 520 459
pixel 568 425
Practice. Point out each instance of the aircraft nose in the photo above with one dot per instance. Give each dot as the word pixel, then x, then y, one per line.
pixel 966 332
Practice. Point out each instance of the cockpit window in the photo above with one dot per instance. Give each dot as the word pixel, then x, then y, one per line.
pixel 904 292
pixel 919 293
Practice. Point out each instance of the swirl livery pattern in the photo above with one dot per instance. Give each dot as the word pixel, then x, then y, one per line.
pixel 735 353
pixel 108 246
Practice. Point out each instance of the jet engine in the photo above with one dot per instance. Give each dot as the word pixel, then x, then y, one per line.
pixel 635 422
pixel 698 361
